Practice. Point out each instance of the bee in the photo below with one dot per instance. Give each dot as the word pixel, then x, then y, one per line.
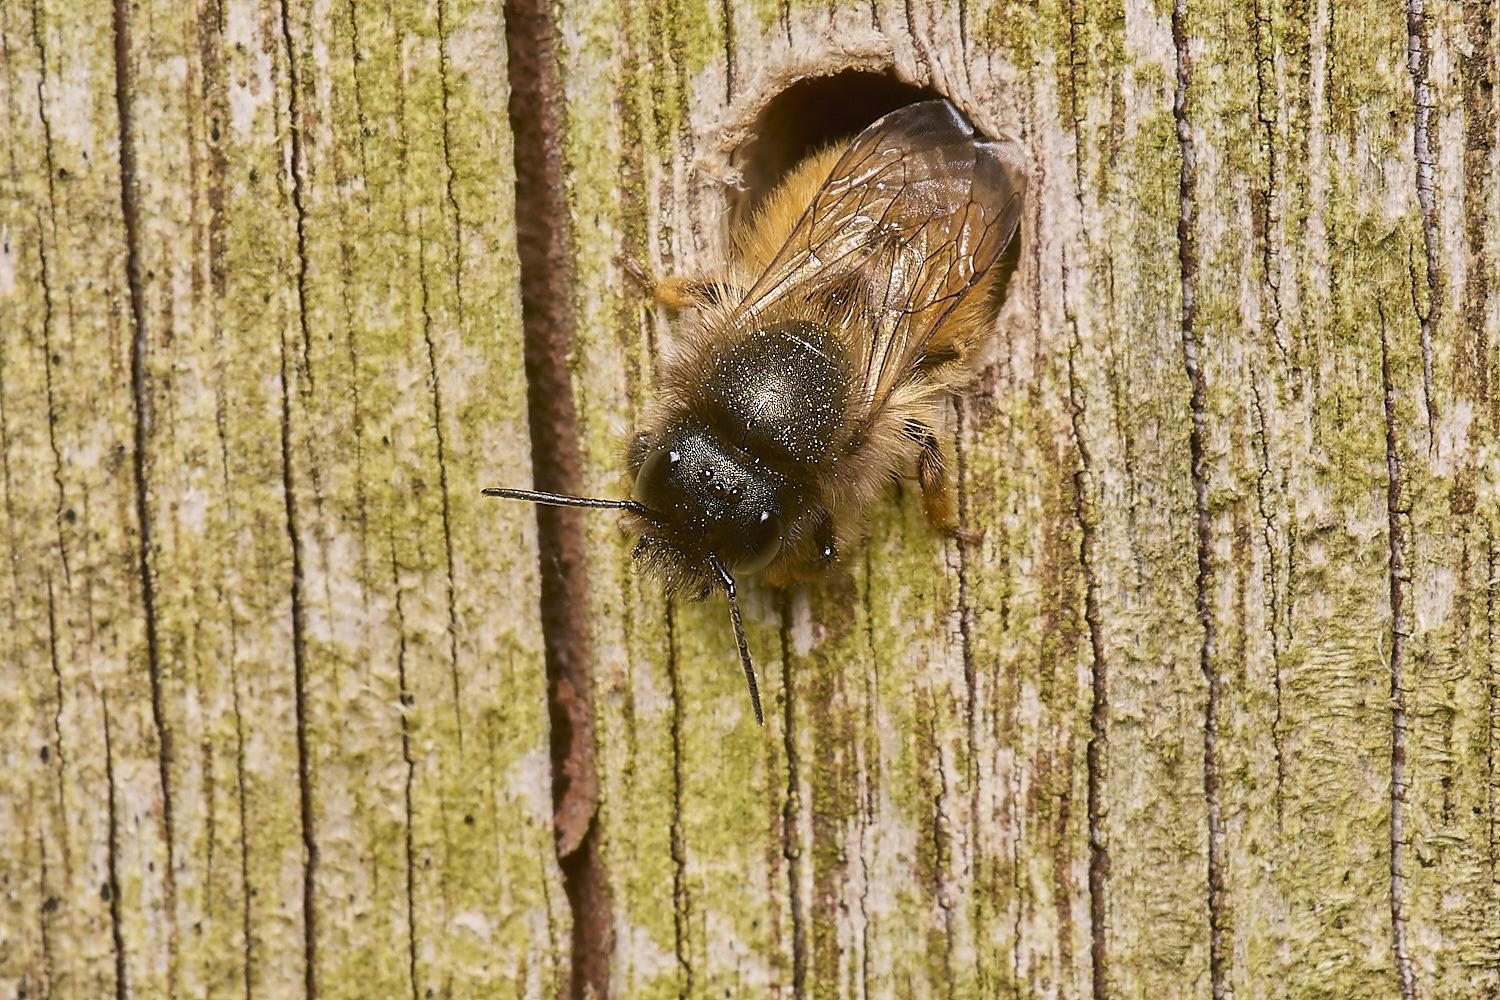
pixel 820 360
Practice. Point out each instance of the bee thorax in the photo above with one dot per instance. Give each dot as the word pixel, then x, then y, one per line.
pixel 780 394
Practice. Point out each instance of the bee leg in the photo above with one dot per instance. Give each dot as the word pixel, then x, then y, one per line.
pixel 937 491
pixel 683 293
pixel 680 292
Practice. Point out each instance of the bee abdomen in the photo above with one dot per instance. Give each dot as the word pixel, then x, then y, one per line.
pixel 781 394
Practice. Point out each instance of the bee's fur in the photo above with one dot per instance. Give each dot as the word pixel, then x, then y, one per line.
pixel 869 447
pixel 820 358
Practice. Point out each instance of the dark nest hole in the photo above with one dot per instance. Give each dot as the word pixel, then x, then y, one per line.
pixel 809 115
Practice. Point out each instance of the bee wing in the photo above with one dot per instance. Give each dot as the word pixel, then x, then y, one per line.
pixel 912 215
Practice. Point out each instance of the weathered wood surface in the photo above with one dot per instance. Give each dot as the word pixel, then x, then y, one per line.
pixel 327 696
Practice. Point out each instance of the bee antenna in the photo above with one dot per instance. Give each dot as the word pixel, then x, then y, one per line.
pixel 563 500
pixel 739 638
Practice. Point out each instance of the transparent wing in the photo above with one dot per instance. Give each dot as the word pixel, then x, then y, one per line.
pixel 912 215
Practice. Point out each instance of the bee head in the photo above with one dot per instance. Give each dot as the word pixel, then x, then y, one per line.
pixel 709 500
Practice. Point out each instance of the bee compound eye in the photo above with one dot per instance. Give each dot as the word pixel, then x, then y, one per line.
pixel 762 543
pixel 652 486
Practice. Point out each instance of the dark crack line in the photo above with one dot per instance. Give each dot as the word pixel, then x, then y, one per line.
pixel 116 916
pixel 298 164
pixel 942 848
pixel 246 924
pixel 728 15
pixel 1097 751
pixel 869 778
pixel 1478 74
pixel 38 34
pixel 1398 661
pixel 966 622
pixel 299 665
pixel 537 113
pixel 966 615
pixel 963 40
pixel 1266 117
pixel 437 386
pixel 57 735
pixel 407 701
pixel 682 901
pixel 347 252
pixel 1187 243
pixel 442 457
pixel 294 534
pixel 921 46
pixel 221 416
pixel 45 915
pixel 1278 724
pixel 1418 59
pixel 1017 868
pixel 14 551
pixel 1492 737
pixel 452 174
pixel 791 811
pixel 356 419
pixel 141 397
pixel 356 45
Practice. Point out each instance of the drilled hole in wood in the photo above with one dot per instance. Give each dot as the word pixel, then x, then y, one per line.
pixel 809 115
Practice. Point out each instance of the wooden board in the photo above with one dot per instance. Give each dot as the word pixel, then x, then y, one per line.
pixel 1237 568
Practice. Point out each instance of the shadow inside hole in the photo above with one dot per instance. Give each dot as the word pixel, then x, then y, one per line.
pixel 809 115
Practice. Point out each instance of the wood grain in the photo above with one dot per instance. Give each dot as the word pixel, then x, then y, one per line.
pixel 1211 710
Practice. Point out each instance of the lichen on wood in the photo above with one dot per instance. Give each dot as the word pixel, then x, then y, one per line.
pixel 985 769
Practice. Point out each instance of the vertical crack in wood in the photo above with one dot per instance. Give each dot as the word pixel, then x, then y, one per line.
pixel 111 890
pixel 246 924
pixel 869 796
pixel 1187 248
pixel 682 903
pixel 13 550
pixel 1398 662
pixel 1278 723
pixel 407 701
pixel 38 32
pixel 299 679
pixel 728 14
pixel 437 387
pixel 452 174
pixel 141 398
pixel 1266 228
pixel 1097 752
pixel 942 845
pixel 1266 217
pixel 442 457
pixel 57 735
pixel 299 197
pixel 44 916
pixel 1478 75
pixel 966 645
pixel 791 811
pixel 963 40
pixel 1492 735
pixel 294 535
pixel 542 245
pixel 1418 59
